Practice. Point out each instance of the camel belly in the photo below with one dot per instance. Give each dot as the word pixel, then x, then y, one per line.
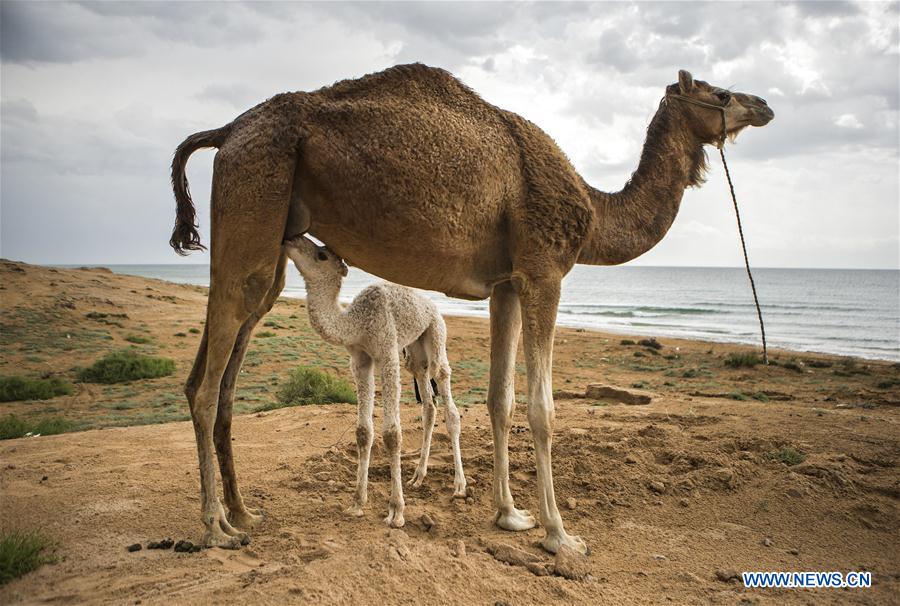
pixel 419 261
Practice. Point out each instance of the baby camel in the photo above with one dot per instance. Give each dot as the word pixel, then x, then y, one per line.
pixel 383 320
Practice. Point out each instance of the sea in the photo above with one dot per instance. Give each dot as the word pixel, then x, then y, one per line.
pixel 836 311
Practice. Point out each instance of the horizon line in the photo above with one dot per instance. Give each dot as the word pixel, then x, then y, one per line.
pixel 584 265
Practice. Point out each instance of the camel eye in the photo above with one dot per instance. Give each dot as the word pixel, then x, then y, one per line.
pixel 322 256
pixel 724 96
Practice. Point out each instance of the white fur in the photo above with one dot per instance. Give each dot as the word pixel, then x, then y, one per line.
pixel 382 322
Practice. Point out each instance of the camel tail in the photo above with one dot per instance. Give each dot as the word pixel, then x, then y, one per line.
pixel 185 236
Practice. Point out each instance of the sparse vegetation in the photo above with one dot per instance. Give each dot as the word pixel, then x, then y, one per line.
pixel 626 342
pixel 24 388
pixel 265 334
pixel 788 456
pixel 308 385
pixel 746 359
pixel 793 364
pixel 194 331
pixel 12 427
pixel 21 552
pixel 137 339
pixel 122 366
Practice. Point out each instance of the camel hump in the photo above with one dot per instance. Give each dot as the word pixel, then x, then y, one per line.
pixel 409 80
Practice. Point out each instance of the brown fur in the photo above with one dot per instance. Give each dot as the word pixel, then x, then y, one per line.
pixel 410 175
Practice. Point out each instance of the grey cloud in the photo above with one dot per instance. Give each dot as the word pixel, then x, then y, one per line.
pixel 56 32
pixel 237 94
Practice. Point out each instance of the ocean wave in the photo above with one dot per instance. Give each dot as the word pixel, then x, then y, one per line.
pixel 627 311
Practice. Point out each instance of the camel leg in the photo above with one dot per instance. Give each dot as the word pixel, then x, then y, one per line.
pixel 451 418
pixel 390 431
pixel 239 514
pixel 363 374
pixel 418 364
pixel 539 301
pixel 242 271
pixel 223 324
pixel 428 414
pixel 506 320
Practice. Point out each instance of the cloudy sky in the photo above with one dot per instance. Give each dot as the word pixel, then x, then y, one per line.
pixel 95 97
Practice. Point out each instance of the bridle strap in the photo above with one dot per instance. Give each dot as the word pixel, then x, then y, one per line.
pixel 718 108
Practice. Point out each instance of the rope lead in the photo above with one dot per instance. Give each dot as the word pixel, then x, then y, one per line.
pixel 737 214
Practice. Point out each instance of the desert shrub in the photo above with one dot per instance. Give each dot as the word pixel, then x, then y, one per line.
pixel 626 342
pixel 23 388
pixel 12 426
pixel 22 552
pixel 788 456
pixel 265 334
pixel 194 331
pixel 122 366
pixel 307 385
pixel 138 339
pixel 747 359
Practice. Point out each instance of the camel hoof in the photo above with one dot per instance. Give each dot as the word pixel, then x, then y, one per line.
pixel 354 510
pixel 459 490
pixel 225 541
pixel 417 479
pixel 552 542
pixel 395 517
pixel 515 520
pixel 247 519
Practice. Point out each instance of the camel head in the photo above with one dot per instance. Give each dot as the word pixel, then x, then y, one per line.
pixel 705 104
pixel 316 263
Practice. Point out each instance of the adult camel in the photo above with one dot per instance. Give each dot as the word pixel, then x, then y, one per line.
pixel 411 176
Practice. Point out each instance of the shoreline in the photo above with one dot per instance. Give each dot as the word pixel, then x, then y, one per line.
pixel 623 331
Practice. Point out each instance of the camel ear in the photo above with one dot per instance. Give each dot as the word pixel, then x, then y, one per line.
pixel 685 81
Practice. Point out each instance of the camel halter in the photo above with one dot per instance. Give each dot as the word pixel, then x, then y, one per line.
pixel 737 214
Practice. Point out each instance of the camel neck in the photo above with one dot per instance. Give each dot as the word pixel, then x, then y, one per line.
pixel 632 221
pixel 325 313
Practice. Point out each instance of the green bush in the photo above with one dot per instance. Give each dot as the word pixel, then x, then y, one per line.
pixel 12 426
pixel 307 385
pixel 138 339
pixel 122 366
pixel 22 388
pixel 21 552
pixel 626 342
pixel 747 359
pixel 788 456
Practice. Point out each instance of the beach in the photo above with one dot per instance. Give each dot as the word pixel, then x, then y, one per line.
pixel 672 496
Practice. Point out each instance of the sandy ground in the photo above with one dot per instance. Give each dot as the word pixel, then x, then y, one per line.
pixel 665 494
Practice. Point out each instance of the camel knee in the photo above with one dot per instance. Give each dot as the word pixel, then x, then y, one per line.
pixel 391 436
pixel 540 419
pixel 191 387
pixel 364 435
